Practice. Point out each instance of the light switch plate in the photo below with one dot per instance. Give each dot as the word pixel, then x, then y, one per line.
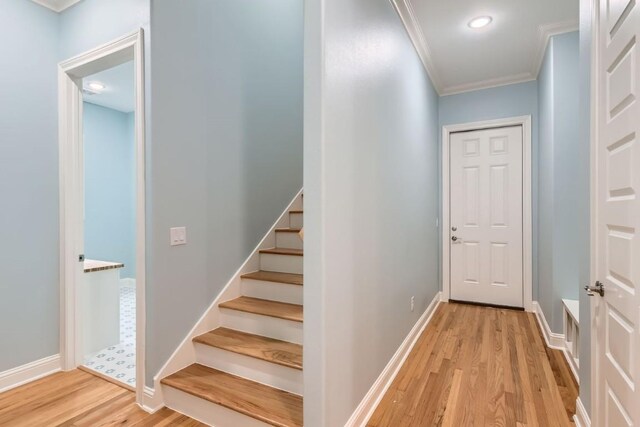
pixel 178 236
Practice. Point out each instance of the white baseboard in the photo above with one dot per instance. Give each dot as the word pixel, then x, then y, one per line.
pixel 128 282
pixel 151 401
pixel 30 372
pixel 371 400
pixel 553 340
pixel 572 366
pixel 581 418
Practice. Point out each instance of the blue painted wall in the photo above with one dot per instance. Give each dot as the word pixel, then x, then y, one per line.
pixel 29 159
pixel 227 148
pixel 28 184
pixel 497 103
pixel 545 182
pixel 90 23
pixel 562 194
pixel 371 194
pixel 110 177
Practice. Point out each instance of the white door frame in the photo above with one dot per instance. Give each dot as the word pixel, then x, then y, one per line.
pixel 527 233
pixel 70 74
pixel 593 195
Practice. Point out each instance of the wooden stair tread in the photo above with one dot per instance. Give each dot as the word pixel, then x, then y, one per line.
pixel 264 307
pixel 288 230
pixel 282 251
pixel 268 349
pixel 275 276
pixel 264 403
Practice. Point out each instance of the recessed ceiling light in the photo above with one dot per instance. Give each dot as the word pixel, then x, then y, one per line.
pixel 96 86
pixel 480 22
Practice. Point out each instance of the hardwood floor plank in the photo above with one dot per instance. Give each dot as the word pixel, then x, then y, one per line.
pixel 477 366
pixel 79 399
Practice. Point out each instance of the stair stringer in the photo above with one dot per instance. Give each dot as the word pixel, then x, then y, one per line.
pixel 185 353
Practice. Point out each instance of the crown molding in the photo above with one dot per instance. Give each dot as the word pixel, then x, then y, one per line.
pixel 488 84
pixel 545 32
pixel 414 30
pixel 56 5
pixel 408 17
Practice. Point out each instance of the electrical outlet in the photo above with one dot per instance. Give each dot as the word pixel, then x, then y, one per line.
pixel 413 303
pixel 178 236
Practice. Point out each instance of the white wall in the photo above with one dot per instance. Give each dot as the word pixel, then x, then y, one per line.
pixel 371 199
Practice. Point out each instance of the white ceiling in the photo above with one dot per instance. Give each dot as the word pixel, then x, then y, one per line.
pixel 56 5
pixel 509 50
pixel 119 93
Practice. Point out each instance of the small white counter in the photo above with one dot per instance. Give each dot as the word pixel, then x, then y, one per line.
pixel 100 306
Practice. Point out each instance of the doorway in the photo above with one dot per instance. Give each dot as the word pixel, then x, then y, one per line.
pixel 107 291
pixel 486 214
pixel 102 217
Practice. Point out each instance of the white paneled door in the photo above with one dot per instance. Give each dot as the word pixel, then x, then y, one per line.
pixel 486 221
pixel 616 255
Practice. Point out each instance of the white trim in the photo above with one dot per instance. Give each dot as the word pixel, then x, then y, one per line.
pixel 581 418
pixel 572 365
pixel 591 326
pixel 185 353
pixel 552 339
pixel 488 84
pixel 408 18
pixel 414 30
pixel 24 374
pixel 151 402
pixel 527 222
pixel 56 5
pixel 369 403
pixel 71 72
pixel 545 32
pixel 209 413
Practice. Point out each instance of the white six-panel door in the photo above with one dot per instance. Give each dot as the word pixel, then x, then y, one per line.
pixel 486 216
pixel 617 215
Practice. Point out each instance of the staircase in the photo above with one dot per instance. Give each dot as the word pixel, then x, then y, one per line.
pixel 248 371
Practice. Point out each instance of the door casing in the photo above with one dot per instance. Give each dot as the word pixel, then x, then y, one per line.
pixel 527 235
pixel 70 75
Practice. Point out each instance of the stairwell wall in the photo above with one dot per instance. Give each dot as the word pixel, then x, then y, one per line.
pixel 227 148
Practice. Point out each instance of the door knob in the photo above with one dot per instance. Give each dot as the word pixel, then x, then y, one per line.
pixel 454 238
pixel 454 228
pixel 597 289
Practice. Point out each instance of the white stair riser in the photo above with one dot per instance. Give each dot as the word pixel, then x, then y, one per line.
pixel 205 411
pixel 296 220
pixel 260 371
pixel 288 240
pixel 281 292
pixel 281 263
pixel 271 327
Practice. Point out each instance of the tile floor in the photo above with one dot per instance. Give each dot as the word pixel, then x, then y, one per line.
pixel 119 361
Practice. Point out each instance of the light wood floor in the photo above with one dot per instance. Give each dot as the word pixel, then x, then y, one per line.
pixel 479 366
pixel 77 398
